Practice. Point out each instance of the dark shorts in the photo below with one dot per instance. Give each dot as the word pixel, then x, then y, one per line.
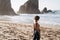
pixel 36 35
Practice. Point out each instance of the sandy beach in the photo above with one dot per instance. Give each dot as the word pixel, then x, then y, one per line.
pixel 19 31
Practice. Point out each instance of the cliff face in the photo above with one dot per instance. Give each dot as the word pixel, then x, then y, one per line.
pixel 5 8
pixel 31 6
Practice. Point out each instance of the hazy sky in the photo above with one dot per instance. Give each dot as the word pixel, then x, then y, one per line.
pixel 50 4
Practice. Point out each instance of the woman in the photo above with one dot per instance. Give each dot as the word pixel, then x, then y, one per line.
pixel 36 29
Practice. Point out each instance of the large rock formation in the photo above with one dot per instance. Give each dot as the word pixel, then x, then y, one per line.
pixel 31 6
pixel 5 8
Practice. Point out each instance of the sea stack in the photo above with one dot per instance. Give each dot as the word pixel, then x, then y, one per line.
pixel 5 8
pixel 31 6
pixel 46 11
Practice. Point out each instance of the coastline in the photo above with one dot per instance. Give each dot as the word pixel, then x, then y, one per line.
pixel 20 31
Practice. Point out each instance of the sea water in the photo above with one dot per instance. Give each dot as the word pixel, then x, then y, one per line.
pixel 48 18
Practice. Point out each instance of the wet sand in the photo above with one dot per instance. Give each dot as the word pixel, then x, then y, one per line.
pixel 19 31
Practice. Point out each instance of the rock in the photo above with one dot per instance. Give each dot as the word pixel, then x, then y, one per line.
pixel 49 11
pixel 5 8
pixel 46 11
pixel 29 7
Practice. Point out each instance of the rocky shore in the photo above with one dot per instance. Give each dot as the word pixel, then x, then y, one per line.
pixel 17 31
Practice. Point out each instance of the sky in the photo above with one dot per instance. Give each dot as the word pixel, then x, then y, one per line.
pixel 50 4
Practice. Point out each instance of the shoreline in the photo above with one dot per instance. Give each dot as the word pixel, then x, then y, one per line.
pixel 42 25
pixel 20 31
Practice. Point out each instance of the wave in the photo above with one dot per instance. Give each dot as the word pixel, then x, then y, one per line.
pixel 49 18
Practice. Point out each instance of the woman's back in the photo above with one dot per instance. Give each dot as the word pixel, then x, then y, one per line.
pixel 37 27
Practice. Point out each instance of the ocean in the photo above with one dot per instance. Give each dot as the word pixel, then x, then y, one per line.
pixel 48 18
